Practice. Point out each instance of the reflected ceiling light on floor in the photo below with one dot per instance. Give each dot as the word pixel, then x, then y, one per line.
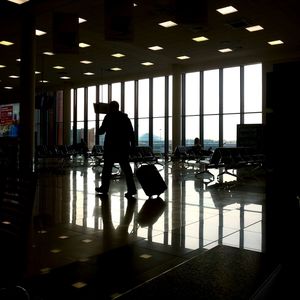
pixel 39 32
pixel 200 39
pixel 81 20
pixel 84 45
pixel 226 10
pixel 183 57
pixel 18 1
pixel 275 42
pixel 86 62
pixel 118 55
pixel 48 53
pixel 254 28
pixel 225 50
pixel 168 24
pixel 147 63
pixel 6 43
pixel 155 48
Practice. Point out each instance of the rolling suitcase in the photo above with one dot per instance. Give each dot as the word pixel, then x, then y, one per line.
pixel 150 180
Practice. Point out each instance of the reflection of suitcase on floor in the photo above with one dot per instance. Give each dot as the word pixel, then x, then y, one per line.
pixel 150 180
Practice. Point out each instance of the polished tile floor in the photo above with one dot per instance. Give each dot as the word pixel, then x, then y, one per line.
pixel 85 247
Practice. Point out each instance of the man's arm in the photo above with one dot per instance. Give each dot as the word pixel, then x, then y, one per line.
pixel 102 128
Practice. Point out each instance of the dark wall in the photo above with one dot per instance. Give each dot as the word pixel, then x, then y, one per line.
pixel 283 180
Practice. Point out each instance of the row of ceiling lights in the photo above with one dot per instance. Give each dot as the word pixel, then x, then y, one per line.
pixel 224 11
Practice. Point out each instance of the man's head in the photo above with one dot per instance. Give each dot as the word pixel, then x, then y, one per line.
pixel 113 106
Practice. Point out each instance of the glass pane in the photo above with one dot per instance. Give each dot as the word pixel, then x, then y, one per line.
pixel 231 90
pixel 103 93
pixel 143 98
pixel 91 100
pixel 211 91
pixel 80 131
pixel 253 118
pixel 72 105
pixel 211 131
pixel 230 129
pixel 159 97
pixel 80 104
pixel 91 134
pixel 158 135
pixel 143 139
pixel 116 92
pixel 170 96
pixel 170 135
pixel 192 94
pixel 253 88
pixel 129 98
pixel 191 129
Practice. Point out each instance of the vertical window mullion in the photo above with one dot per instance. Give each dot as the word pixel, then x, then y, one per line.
pixel 166 144
pixel 183 105
pixel 201 112
pixel 151 112
pixel 242 94
pixel 221 107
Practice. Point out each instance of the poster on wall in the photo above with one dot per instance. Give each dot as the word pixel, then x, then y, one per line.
pixel 9 120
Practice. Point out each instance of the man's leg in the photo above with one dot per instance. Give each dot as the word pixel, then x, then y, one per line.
pixel 125 166
pixel 106 175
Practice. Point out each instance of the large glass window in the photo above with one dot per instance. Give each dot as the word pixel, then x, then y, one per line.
pixel 80 114
pixel 116 92
pixel 192 107
pixel 91 116
pixel 143 112
pixel 231 90
pixel 129 99
pixel 211 92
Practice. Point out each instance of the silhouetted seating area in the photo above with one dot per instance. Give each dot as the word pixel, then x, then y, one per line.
pixel 231 158
pixel 144 155
pixel 187 154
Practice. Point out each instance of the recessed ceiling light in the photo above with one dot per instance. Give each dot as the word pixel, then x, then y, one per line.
pixel 37 72
pixel 183 57
pixel 2 66
pixel 18 1
pixel 84 45
pixel 115 69
pixel 254 28
pixel 8 87
pixel 13 76
pixel 39 32
pixel 81 20
pixel 58 67
pixel 118 55
pixel 200 39
pixel 65 77
pixel 48 53
pixel 147 63
pixel 18 59
pixel 86 62
pixel 135 5
pixel 89 73
pixel 43 81
pixel 225 50
pixel 168 24
pixel 155 48
pixel 275 42
pixel 226 10
pixel 6 43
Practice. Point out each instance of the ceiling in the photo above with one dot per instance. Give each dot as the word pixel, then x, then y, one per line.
pixel 130 30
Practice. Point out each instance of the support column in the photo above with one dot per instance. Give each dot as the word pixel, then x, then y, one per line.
pixel 67 116
pixel 176 108
pixel 27 91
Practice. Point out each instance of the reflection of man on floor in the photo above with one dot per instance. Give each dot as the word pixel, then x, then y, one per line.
pixel 119 138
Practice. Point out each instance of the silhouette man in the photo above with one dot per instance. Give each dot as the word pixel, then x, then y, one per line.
pixel 119 139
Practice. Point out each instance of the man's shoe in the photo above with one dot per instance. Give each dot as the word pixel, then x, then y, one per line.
pixel 100 190
pixel 130 194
